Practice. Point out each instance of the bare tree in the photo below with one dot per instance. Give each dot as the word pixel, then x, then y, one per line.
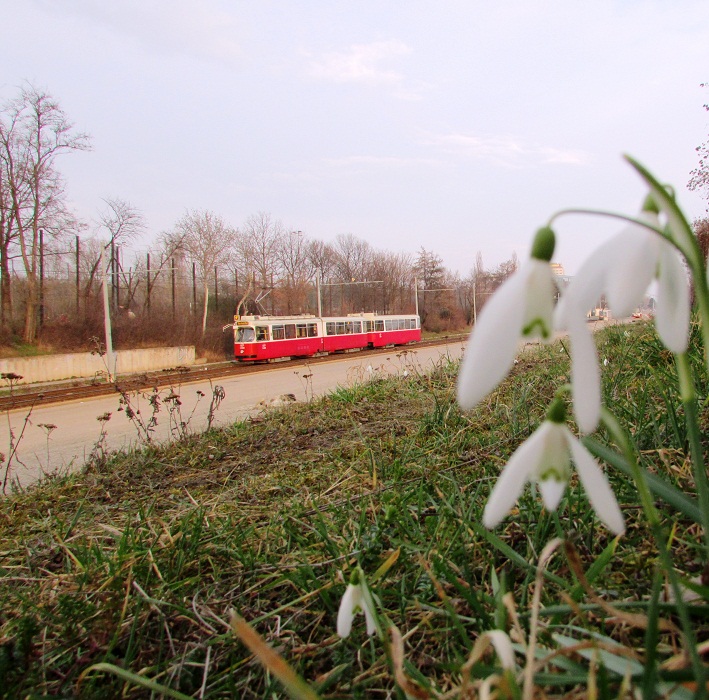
pixel 7 231
pixel 257 252
pixel 34 130
pixel 297 269
pixel 352 258
pixel 699 179
pixel 119 223
pixel 322 257
pixel 430 272
pixel 394 272
pixel 209 242
pixel 701 231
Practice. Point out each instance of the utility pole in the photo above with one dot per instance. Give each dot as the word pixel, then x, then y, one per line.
pixel 110 356
pixel 174 309
pixel 416 293
pixel 317 287
pixel 78 277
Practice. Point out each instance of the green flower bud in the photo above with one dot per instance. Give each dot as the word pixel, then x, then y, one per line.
pixel 543 245
pixel 556 413
pixel 650 205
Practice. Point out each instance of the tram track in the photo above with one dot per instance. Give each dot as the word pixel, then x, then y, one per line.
pixel 74 390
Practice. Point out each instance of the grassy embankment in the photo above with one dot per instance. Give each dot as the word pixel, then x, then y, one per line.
pixel 136 562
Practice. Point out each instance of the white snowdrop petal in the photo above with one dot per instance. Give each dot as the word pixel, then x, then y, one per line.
pixel 345 614
pixel 585 375
pixel 631 269
pixel 552 491
pixel 493 342
pixel 369 617
pixel 503 648
pixel 538 300
pixel 596 485
pixel 673 301
pixel 514 477
pixel 586 287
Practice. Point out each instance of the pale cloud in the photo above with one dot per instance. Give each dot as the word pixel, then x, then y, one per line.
pixel 381 161
pixel 366 64
pixel 175 26
pixel 505 150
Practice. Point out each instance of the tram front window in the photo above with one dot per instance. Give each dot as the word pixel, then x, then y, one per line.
pixel 245 335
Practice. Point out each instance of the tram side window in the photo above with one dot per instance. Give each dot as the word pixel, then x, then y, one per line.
pixel 245 335
pixel 330 328
pixel 301 330
pixel 389 325
pixel 340 327
pixel 312 330
pixel 357 326
pixel 261 333
pixel 369 326
pixel 379 325
pixel 290 330
pixel 277 332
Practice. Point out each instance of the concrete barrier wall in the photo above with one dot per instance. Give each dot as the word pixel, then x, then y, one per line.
pixel 84 365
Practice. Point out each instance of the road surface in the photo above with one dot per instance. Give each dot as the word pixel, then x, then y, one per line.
pixel 61 437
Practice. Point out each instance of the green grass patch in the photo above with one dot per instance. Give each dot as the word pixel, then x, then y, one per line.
pixel 136 562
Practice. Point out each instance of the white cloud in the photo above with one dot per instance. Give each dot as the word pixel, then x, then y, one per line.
pixel 176 27
pixel 381 161
pixel 505 150
pixel 365 64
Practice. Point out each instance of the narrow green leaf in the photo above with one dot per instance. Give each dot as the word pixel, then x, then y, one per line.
pixel 136 680
pixel 668 493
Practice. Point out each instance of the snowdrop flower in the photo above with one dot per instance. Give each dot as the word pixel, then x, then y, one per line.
pixel 522 307
pixel 545 458
pixel 622 268
pixel 354 600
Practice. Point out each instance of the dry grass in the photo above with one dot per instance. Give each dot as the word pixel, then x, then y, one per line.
pixel 137 561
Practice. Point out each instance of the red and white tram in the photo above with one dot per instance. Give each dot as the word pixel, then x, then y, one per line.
pixel 263 338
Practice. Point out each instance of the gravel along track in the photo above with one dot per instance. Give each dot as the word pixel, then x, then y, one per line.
pixel 24 396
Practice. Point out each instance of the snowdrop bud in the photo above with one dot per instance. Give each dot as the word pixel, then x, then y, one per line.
pixel 543 244
pixel 556 413
pixel 650 205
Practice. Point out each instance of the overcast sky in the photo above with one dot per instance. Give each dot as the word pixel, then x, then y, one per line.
pixel 456 125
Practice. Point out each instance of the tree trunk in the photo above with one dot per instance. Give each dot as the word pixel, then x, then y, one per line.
pixel 5 291
pixel 29 334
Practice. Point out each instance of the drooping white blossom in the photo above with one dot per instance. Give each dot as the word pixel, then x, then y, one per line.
pixel 353 601
pixel 522 307
pixel 545 458
pixel 622 269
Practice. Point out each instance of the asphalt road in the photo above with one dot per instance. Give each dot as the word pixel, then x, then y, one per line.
pixel 43 449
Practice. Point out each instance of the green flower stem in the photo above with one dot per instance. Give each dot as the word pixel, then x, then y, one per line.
pixel 624 443
pixel 614 215
pixel 701 294
pixel 689 401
